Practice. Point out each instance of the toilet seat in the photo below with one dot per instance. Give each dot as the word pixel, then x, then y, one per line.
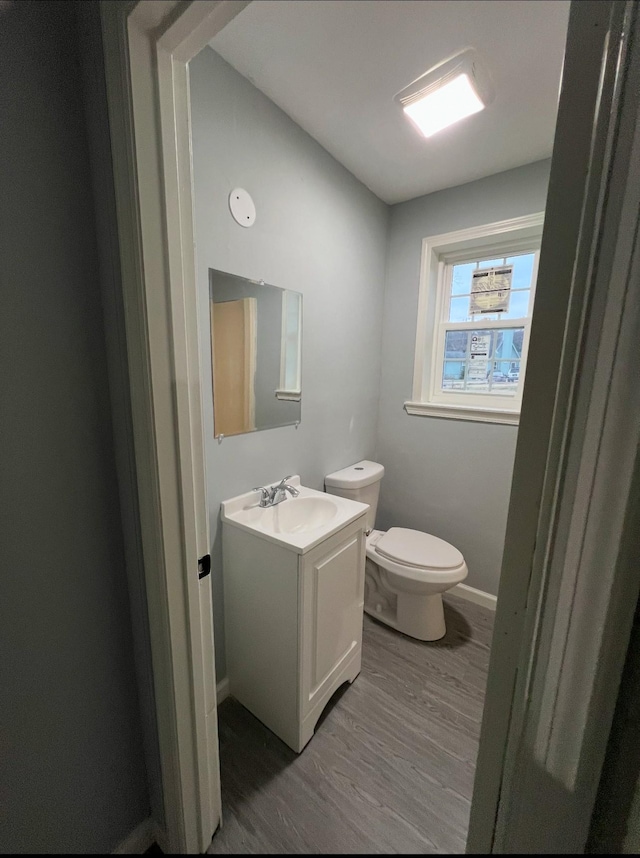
pixel 409 597
pixel 435 554
pixel 416 548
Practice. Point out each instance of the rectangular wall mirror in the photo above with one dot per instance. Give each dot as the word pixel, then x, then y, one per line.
pixel 256 350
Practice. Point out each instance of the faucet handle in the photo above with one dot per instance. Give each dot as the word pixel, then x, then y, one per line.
pixel 283 481
pixel 283 486
pixel 265 493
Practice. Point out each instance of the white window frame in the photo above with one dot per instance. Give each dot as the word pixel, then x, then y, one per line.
pixel 499 239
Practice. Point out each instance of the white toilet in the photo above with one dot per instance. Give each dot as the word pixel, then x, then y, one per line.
pixel 407 570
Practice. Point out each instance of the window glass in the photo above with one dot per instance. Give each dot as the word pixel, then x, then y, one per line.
pixel 459 307
pixel 456 343
pixel 483 360
pixel 479 381
pixel 461 278
pixel 459 310
pixel 453 375
pixel 505 376
pixel 518 306
pixel 522 270
pixel 509 343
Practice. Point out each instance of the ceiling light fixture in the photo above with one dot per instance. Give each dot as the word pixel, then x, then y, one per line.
pixel 455 88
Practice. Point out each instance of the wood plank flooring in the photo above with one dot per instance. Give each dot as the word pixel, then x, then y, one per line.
pixel 390 768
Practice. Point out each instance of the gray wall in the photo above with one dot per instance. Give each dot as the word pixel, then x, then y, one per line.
pixel 104 204
pixel 318 231
pixel 436 468
pixel 72 776
pixel 615 824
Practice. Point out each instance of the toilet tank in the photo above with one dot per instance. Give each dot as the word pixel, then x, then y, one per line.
pixel 359 482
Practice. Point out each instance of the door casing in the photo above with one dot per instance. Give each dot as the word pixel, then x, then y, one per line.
pixel 147 47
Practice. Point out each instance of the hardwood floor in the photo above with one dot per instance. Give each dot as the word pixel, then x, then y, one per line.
pixel 390 768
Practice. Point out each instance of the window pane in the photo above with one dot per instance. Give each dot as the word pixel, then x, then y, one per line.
pixel 518 306
pixel 478 366
pixel 455 344
pixel 509 343
pixel 478 374
pixel 505 376
pixel 453 372
pixel 459 310
pixel 483 361
pixel 488 317
pixel 461 279
pixel 522 270
pixel 490 263
pixel 481 343
pixel 478 381
pixel 518 309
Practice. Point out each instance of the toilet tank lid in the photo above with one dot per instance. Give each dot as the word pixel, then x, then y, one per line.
pixel 355 476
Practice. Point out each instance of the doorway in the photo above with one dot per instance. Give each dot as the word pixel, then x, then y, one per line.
pixel 320 231
pixel 172 58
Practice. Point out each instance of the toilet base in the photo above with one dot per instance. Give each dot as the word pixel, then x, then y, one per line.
pixel 420 617
pixel 417 615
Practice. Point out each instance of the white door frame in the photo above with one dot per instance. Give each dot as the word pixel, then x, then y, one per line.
pixel 147 49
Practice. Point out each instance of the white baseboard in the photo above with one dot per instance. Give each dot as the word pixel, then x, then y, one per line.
pixel 140 839
pixel 464 591
pixel 222 690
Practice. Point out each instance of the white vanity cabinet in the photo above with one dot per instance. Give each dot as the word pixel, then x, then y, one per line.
pixel 293 621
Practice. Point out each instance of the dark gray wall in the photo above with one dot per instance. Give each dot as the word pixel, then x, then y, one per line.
pixel 435 468
pixel 72 773
pixel 318 231
pixel 615 826
pixel 97 120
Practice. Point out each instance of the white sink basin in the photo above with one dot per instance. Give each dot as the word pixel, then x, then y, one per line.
pixel 300 523
pixel 298 515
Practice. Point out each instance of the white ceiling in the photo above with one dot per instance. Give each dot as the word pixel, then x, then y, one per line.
pixel 334 67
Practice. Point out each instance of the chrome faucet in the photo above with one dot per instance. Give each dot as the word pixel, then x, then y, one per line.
pixel 272 495
pixel 280 491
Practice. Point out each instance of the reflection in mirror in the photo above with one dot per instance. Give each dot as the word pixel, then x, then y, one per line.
pixel 256 346
pixel 290 346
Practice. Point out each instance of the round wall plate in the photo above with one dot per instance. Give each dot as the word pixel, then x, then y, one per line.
pixel 242 207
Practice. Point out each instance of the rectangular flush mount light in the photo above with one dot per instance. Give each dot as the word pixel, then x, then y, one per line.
pixel 446 93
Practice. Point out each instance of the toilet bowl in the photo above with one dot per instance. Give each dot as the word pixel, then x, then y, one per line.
pixel 406 570
pixel 405 575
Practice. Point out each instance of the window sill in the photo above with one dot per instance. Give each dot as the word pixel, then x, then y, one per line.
pixel 289 395
pixel 462 412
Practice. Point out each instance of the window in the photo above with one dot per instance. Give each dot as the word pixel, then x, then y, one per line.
pixel 476 298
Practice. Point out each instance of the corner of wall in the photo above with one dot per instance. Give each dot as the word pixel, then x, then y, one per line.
pixel 385 294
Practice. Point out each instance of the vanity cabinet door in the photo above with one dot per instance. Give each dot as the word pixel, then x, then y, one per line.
pixel 332 577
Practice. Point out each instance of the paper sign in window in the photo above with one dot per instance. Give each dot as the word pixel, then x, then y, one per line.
pixel 479 347
pixel 490 290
